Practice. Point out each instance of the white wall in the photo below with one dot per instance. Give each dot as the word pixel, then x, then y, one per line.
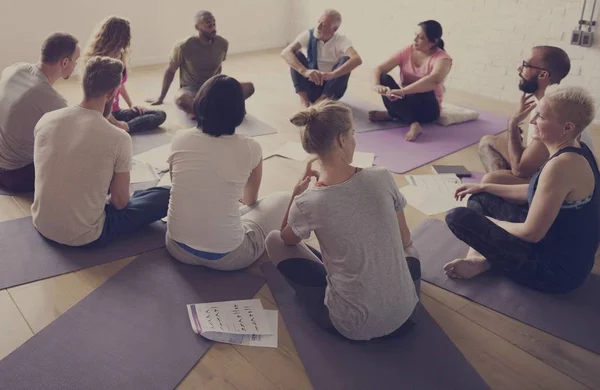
pixel 487 38
pixel 156 25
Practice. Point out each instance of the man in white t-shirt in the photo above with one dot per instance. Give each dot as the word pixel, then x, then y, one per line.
pixel 80 157
pixel 505 158
pixel 325 69
pixel 26 93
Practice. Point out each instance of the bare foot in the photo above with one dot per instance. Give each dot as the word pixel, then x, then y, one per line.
pixel 379 116
pixel 466 268
pixel 413 132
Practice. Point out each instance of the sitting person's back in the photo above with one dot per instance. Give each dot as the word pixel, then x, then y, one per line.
pixel 366 286
pixel 76 153
pixel 212 171
pixel 208 175
pixel 370 290
pixel 80 158
pixel 26 94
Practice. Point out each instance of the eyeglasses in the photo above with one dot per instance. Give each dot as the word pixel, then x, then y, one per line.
pixel 526 65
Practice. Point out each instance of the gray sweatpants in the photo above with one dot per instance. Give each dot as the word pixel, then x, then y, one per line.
pixel 258 220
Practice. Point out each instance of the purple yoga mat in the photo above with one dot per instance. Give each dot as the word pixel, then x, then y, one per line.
pixel 133 332
pixel 27 256
pixel 574 317
pixel 400 156
pixel 423 359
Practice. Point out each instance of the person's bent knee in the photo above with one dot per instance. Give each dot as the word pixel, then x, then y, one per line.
pixel 248 89
pixel 161 116
pixel 385 78
pixel 487 140
pixel 454 215
pixel 272 242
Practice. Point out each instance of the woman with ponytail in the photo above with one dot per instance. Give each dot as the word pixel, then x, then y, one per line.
pixel 424 66
pixel 365 286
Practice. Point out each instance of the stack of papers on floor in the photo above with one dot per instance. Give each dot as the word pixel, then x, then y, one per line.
pixel 142 172
pixel 432 194
pixel 235 322
pixel 156 157
pixel 295 151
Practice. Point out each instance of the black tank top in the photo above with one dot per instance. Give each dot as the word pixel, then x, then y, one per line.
pixel 573 238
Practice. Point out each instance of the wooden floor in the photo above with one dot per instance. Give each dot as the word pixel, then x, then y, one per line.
pixel 506 353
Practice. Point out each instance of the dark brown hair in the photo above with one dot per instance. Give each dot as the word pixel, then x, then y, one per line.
pixel 57 47
pixel 220 106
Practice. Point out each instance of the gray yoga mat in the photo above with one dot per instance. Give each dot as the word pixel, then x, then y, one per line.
pixel 133 332
pixel 251 126
pixel 574 317
pixel 424 359
pixel 26 256
pixel 360 110
pixel 144 141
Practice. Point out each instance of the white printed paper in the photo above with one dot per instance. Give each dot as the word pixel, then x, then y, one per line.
pixel 165 180
pixel 432 194
pixel 254 340
pixel 142 172
pixel 156 157
pixel 233 317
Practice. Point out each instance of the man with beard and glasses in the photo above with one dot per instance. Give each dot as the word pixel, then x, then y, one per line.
pixel 505 158
pixel 198 58
pixel 79 157
pixel 26 94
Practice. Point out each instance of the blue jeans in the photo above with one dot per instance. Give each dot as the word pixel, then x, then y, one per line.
pixel 144 207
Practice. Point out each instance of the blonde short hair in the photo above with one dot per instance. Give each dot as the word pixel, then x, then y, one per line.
pixel 571 104
pixel 321 124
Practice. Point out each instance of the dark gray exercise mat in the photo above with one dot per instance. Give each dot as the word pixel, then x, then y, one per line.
pixel 574 317
pixel 423 359
pixel 26 256
pixel 133 332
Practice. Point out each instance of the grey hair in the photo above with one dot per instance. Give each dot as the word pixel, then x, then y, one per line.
pixel 572 104
pixel 337 17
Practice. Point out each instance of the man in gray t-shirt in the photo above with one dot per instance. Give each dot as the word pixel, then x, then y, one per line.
pixel 26 94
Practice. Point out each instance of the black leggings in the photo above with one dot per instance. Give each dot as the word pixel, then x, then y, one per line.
pixel 515 258
pixel 417 107
pixel 308 278
pixel 137 122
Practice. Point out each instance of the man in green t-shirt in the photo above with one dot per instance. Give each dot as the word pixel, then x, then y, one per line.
pixel 197 58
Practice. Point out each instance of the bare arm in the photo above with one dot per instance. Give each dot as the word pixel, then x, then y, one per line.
pixel 126 97
pixel 404 230
pixel 554 184
pixel 524 162
pixel 350 65
pixel 289 55
pixel 511 192
pixel 429 82
pixel 119 190
pixel 250 195
pixel 167 80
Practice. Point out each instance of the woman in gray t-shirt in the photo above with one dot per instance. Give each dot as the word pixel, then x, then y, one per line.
pixel 365 286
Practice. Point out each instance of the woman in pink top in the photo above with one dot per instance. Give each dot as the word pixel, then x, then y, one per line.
pixel 423 67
